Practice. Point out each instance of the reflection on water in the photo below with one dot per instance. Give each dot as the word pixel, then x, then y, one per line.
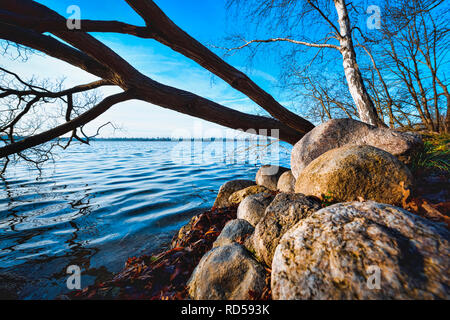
pixel 98 205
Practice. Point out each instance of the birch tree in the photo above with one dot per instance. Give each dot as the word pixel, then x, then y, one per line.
pixel 337 34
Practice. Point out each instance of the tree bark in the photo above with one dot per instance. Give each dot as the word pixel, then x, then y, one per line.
pixel 358 91
pixel 163 30
pixel 149 90
pixel 169 34
pixel 447 96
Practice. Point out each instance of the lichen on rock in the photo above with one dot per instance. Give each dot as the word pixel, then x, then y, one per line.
pixel 237 197
pixel 268 175
pixel 336 252
pixel 229 188
pixel 253 207
pixel 227 273
pixel 283 213
pixel 354 172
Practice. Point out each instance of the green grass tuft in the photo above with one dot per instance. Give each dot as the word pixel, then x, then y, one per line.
pixel 435 155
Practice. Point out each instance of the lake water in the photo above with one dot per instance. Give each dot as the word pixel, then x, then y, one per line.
pixel 98 205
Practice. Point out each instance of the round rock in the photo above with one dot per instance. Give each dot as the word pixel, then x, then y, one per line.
pixel 283 213
pixel 286 182
pixel 268 176
pixel 253 207
pixel 233 231
pixel 353 172
pixel 227 273
pixel 229 188
pixel 362 250
pixel 336 133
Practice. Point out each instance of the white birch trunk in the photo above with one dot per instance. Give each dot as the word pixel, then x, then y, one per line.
pixel 364 104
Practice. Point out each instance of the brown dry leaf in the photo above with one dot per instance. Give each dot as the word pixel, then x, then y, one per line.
pixel 405 192
pixel 434 214
pixel 164 276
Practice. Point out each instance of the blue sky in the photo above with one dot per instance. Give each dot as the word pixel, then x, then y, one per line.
pixel 206 20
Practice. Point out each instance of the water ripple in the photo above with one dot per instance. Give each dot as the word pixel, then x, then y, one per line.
pixel 97 206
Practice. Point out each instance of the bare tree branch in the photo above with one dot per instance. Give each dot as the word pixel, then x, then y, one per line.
pixel 60 130
pixel 127 77
pixel 314 45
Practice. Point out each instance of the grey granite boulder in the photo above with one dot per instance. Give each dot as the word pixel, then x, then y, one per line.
pixel 227 273
pixel 268 176
pixel 234 230
pixel 253 207
pixel 283 213
pixel 336 133
pixel 286 182
pixel 353 172
pixel 229 188
pixel 362 250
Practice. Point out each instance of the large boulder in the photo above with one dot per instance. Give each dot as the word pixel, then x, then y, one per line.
pixel 237 197
pixel 234 230
pixel 227 273
pixel 253 207
pixel 268 176
pixel 354 172
pixel 227 189
pixel 283 213
pixel 362 250
pixel 286 182
pixel 340 132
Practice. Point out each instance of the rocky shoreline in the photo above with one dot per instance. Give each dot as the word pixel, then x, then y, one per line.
pixel 345 223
